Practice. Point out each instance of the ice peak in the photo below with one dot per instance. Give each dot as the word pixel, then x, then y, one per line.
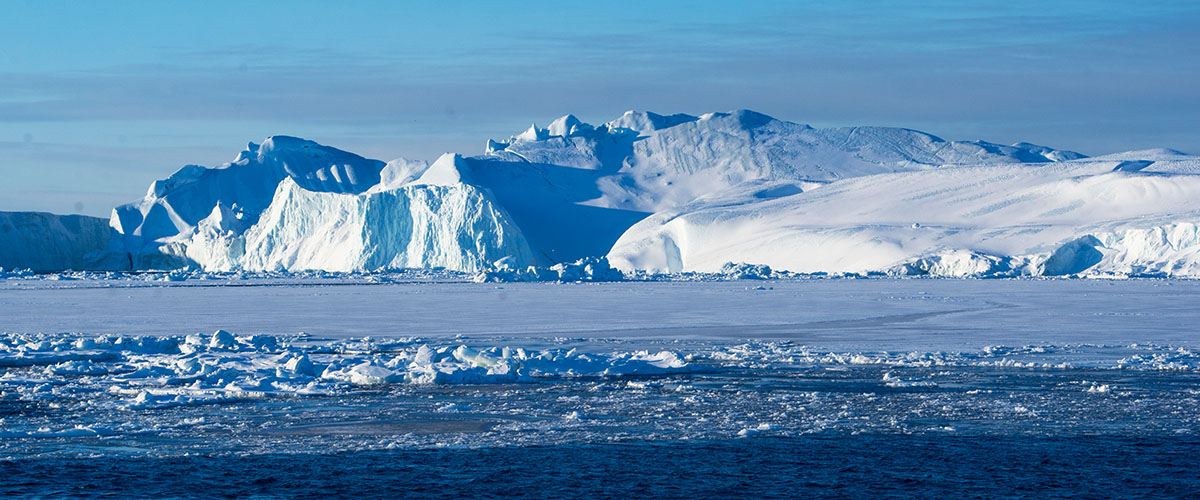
pixel 448 169
pixel 751 119
pixel 567 125
pixel 563 125
pixel 746 118
pixel 533 133
pixel 288 143
pixel 275 144
pixel 223 219
pixel 187 174
pixel 247 154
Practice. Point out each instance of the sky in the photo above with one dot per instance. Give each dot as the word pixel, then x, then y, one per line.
pixel 98 99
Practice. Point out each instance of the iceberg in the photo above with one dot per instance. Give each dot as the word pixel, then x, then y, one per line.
pixel 1084 216
pixel 660 194
pixel 455 226
pixel 545 197
pixel 43 242
pixel 175 206
pixel 647 162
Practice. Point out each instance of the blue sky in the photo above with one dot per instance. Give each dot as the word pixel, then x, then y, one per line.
pixel 97 99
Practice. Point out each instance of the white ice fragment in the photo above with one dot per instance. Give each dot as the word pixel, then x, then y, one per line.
pixel 300 365
pixel 365 373
pixel 468 355
pixel 757 430
pixel 222 339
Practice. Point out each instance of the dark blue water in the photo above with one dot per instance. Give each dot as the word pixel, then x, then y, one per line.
pixel 814 466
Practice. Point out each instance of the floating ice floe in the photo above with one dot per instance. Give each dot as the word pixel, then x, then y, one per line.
pixel 588 269
pixel 150 372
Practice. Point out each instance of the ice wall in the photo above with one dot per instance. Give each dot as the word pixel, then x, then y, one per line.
pixel 455 226
pixel 45 242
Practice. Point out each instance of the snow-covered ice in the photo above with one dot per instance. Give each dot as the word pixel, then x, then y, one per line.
pixel 655 194
pixel 1082 216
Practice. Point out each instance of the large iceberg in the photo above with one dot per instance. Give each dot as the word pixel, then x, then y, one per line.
pixel 673 193
pixel 1101 215
pixel 242 189
pixel 543 197
pixel 648 162
pixel 455 226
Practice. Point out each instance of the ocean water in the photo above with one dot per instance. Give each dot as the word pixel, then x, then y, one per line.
pixel 926 389
pixel 828 465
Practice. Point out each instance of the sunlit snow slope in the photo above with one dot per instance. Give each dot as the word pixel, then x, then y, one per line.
pixel 1104 215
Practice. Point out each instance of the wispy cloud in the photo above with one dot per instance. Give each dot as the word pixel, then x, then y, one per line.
pixel 1089 76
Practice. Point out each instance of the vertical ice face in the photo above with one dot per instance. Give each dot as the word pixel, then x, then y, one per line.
pixel 45 242
pixel 456 226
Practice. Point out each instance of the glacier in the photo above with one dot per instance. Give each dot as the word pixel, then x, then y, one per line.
pixel 655 193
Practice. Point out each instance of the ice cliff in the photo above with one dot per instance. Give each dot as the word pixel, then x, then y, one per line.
pixel 455 226
pixel 44 242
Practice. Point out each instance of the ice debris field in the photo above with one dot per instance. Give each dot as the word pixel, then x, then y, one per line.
pixel 651 194
pixel 97 367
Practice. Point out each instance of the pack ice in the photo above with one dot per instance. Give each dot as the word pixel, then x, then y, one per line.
pixel 168 371
pixel 670 193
